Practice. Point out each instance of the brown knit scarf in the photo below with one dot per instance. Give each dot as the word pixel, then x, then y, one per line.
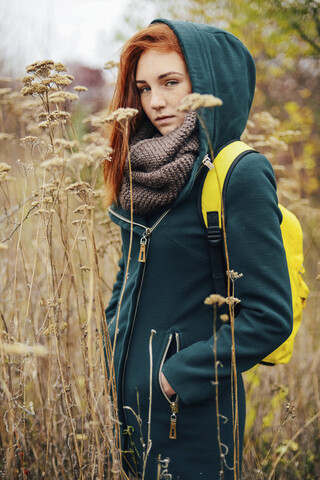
pixel 161 165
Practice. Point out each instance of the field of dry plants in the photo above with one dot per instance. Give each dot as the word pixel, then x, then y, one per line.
pixel 59 256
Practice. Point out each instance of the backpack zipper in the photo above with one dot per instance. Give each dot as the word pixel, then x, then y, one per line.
pixel 207 162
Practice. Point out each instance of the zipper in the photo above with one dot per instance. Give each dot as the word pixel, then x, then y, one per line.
pixel 147 232
pixel 145 237
pixel 144 246
pixel 132 327
pixel 121 217
pixel 207 162
pixel 174 404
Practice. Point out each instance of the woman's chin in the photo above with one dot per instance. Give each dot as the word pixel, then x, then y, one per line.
pixel 165 129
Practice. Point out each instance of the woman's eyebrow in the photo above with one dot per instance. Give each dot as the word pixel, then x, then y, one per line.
pixel 163 75
pixel 169 73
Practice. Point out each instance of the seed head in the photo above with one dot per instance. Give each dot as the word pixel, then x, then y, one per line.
pixel 92 137
pixel 110 65
pixel 43 115
pixel 79 188
pixel 232 301
pixel 61 97
pixel 99 152
pixel 28 80
pixel 82 221
pixel 84 268
pixel 59 67
pixel 55 328
pixel 266 121
pixel 62 80
pixel 224 318
pixel 47 200
pixel 35 88
pixel 79 88
pixel 83 208
pixel 42 211
pixel 4 169
pixel 6 136
pixel 121 115
pixel 234 275
pixel 5 91
pixel 42 68
pixel 55 162
pixel 23 349
pixel 43 125
pixel 193 101
pixel 29 141
pixel 79 157
pixel 215 299
pixel 59 115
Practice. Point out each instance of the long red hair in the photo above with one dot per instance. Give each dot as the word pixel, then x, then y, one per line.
pixel 157 36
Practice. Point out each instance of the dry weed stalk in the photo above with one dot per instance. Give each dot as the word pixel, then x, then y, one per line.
pixel 196 102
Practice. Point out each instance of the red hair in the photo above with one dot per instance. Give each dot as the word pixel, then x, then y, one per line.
pixel 157 36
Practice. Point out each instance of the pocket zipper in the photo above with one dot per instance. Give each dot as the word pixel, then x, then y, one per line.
pixel 174 406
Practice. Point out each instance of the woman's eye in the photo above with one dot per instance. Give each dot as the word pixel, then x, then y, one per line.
pixel 171 83
pixel 144 89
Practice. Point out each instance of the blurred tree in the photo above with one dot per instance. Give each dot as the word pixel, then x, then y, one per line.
pixel 301 16
pixel 284 39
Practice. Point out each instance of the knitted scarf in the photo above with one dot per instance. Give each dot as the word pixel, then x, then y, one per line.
pixel 161 165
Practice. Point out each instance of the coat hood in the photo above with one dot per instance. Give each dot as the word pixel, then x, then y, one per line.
pixel 218 64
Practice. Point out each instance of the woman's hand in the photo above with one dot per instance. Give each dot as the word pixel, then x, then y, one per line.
pixel 168 390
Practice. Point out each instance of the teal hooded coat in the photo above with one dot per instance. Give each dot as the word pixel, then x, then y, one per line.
pixel 166 293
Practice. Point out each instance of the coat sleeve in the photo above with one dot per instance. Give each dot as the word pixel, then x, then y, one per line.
pixel 255 247
pixel 112 306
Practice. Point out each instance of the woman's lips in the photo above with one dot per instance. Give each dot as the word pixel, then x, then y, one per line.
pixel 164 119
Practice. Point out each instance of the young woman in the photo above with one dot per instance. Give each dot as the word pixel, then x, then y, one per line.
pixel 163 322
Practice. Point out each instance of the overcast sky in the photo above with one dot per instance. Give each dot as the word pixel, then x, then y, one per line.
pixel 62 30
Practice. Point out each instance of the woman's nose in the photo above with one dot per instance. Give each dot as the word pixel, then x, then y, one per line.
pixel 157 100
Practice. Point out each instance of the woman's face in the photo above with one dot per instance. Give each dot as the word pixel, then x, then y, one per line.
pixel 162 80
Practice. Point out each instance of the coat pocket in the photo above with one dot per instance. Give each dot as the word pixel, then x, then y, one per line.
pixel 172 347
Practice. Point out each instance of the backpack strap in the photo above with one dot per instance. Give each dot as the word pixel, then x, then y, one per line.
pixel 215 239
pixel 212 197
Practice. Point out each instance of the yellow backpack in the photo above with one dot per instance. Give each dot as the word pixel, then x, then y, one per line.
pixel 212 193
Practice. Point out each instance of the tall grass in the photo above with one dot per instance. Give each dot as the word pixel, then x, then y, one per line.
pixel 57 418
pixel 59 255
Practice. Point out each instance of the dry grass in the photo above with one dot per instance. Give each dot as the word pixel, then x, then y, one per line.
pixel 57 419
pixel 58 260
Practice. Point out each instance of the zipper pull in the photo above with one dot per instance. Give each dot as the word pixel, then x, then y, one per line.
pixel 173 420
pixel 207 162
pixel 143 244
pixel 142 253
